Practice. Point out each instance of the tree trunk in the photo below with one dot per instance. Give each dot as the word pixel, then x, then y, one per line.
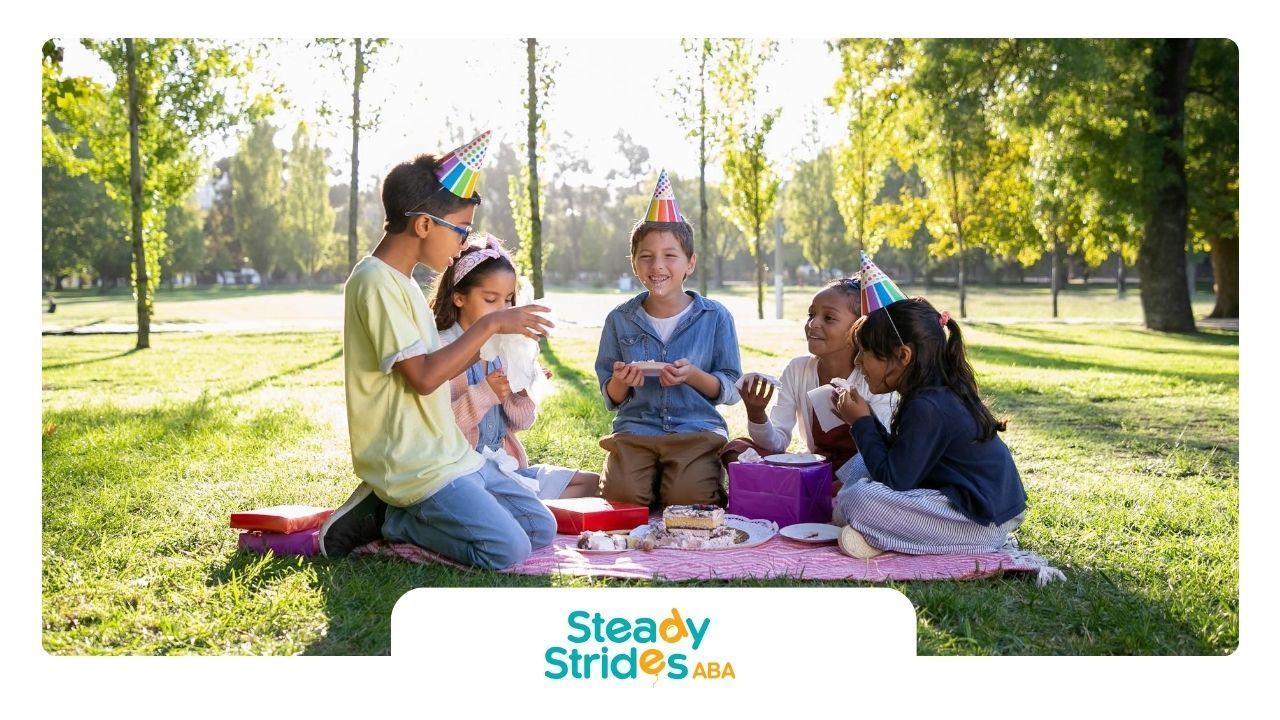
pixel 1055 273
pixel 759 273
pixel 141 283
pixel 535 220
pixel 1166 304
pixel 720 272
pixel 1225 254
pixel 702 164
pixel 353 206
pixel 1120 287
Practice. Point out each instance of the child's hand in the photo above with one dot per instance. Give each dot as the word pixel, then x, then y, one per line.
pixel 521 320
pixel 627 375
pixel 677 373
pixel 547 372
pixel 756 395
pixel 499 384
pixel 850 406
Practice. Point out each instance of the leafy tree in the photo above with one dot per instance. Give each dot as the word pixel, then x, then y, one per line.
pixel 186 251
pixel 524 188
pixel 355 66
pixel 691 111
pixel 223 251
pixel 566 210
pixel 1213 166
pixel 167 94
pixel 811 213
pixel 750 183
pixel 723 239
pixel 867 92
pixel 308 222
pixel 257 198
pixel 81 226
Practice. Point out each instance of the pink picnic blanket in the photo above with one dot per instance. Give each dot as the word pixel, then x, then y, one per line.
pixel 776 558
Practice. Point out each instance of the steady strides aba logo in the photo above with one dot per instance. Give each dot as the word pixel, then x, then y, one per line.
pixel 617 648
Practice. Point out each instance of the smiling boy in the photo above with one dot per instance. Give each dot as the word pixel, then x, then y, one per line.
pixel 667 434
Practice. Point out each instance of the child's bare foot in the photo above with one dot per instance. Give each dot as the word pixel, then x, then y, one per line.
pixel 854 545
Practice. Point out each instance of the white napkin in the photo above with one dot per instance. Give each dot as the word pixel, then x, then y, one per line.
pixel 508 465
pixel 750 456
pixel 742 381
pixel 820 399
pixel 519 359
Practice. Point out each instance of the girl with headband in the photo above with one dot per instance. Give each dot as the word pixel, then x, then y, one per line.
pixel 483 281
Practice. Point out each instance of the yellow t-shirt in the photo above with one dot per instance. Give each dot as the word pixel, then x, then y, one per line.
pixel 405 445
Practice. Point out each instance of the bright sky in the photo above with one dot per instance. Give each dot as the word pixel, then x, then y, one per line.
pixel 601 86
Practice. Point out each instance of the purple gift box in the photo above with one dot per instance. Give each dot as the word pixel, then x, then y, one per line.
pixel 785 494
pixel 303 542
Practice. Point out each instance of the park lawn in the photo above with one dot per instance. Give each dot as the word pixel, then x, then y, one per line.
pixel 1128 442
pixel 296 306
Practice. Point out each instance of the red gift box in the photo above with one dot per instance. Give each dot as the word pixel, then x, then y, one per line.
pixel 281 518
pixel 576 515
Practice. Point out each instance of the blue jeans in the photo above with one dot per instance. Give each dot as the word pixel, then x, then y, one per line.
pixel 484 519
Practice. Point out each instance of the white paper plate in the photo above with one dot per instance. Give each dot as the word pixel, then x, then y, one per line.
pixel 815 533
pixel 650 367
pixel 758 532
pixel 604 552
pixel 794 459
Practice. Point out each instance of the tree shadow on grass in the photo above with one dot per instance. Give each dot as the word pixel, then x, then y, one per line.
pixel 254 385
pixel 1140 336
pixel 1051 361
pixel 88 361
pixel 580 381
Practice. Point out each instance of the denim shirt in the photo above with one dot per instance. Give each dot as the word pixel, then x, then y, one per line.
pixel 706 336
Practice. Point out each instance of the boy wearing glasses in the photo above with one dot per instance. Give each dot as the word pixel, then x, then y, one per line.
pixel 422 482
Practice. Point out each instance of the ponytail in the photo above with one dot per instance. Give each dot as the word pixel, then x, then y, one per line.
pixel 958 375
pixel 938 356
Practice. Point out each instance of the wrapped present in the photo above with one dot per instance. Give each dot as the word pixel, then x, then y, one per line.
pixel 576 515
pixel 785 494
pixel 304 542
pixel 281 518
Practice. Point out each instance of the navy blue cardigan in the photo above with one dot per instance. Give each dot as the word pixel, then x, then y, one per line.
pixel 935 447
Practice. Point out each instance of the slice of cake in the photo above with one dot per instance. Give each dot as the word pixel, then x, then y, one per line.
pixel 699 520
pixel 595 540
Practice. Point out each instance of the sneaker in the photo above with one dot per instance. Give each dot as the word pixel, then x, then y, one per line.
pixel 854 545
pixel 357 522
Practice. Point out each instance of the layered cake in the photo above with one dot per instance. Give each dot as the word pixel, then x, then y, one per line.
pixel 692 527
pixel 696 520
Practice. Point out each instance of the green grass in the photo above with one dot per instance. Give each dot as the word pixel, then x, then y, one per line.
pixel 286 304
pixel 1128 442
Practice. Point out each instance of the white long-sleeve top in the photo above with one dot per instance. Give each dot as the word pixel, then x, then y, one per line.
pixel 792 402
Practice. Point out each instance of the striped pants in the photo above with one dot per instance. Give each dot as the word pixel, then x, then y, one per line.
pixel 916 522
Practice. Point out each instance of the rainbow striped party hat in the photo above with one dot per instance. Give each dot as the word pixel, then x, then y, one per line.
pixel 877 289
pixel 461 167
pixel 663 208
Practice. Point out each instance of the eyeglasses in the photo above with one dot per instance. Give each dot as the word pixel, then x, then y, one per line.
pixel 464 231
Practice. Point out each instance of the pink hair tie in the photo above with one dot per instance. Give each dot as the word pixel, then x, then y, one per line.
pixel 944 318
pixel 493 249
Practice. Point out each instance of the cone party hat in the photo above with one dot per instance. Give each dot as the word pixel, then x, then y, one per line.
pixel 461 167
pixel 663 208
pixel 877 289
